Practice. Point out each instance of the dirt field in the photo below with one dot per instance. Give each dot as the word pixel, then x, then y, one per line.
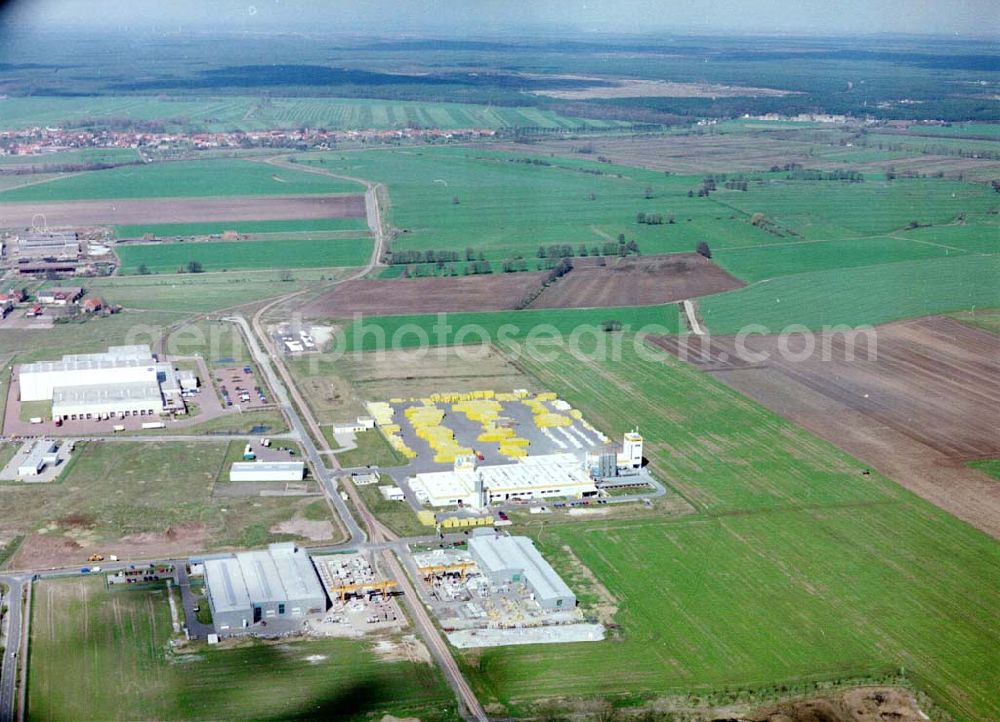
pixel 643 281
pixel 497 292
pixel 181 210
pixel 927 402
pixel 867 704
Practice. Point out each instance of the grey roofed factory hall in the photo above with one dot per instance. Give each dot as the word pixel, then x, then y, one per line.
pixel 505 559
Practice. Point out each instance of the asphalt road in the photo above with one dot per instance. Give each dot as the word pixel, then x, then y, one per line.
pixel 16 644
pixel 323 475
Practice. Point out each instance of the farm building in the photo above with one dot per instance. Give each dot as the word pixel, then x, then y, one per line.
pixel 52 244
pixel 39 455
pixel 530 478
pixel 254 587
pixel 59 296
pixel 267 471
pixel 514 559
pixel 123 381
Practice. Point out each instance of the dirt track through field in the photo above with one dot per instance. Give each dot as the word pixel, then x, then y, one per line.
pixel 180 210
pixel 926 403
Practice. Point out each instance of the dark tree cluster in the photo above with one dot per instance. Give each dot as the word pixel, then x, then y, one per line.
pixel 407 257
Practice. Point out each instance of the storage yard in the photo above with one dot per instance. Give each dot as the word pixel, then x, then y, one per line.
pixel 361 598
pixel 482 450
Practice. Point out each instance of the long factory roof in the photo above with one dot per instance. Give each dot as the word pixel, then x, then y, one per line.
pixel 501 553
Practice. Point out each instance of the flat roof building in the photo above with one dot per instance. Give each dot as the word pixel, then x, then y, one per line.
pixel 35 461
pixel 532 477
pixel 132 398
pixel 253 587
pixel 514 559
pixel 267 471
pixel 119 364
pixel 120 382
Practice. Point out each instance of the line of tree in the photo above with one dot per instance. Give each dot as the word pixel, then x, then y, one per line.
pixel 407 257
pixel 515 264
pixel 849 176
pixel 608 248
pixel 654 219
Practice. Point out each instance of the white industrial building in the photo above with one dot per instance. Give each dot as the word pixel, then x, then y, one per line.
pixel 43 452
pixel 267 471
pixel 253 587
pixel 532 477
pixel 514 559
pixel 123 381
pixel 606 462
pixel 136 398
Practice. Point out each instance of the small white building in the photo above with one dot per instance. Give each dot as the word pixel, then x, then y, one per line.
pixel 362 423
pixel 35 461
pixel 391 492
pixel 267 471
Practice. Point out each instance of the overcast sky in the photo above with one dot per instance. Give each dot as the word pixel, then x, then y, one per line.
pixel 487 17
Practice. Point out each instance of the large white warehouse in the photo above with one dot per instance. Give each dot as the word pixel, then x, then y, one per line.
pixel 119 364
pixel 123 381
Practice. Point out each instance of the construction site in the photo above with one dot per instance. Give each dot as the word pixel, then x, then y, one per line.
pixel 361 598
pixel 499 590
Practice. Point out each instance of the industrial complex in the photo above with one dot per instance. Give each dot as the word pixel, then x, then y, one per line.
pixel 251 588
pixel 123 381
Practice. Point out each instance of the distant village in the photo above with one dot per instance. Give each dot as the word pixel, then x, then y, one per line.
pixel 43 141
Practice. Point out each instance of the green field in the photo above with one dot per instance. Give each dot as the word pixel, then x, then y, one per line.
pixel 568 201
pixel 186 293
pixel 172 230
pixel 241 255
pixel 988 466
pixel 833 210
pixel 756 263
pixel 980 237
pixel 986 318
pixel 795 567
pixel 104 655
pixel 73 157
pixel 249 113
pixel 372 450
pixel 114 489
pixel 182 179
pixel 92 336
pixel 869 295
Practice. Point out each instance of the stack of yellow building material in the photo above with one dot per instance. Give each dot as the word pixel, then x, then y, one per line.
pixel 514 447
pixel 381 412
pixel 426 421
pixel 495 435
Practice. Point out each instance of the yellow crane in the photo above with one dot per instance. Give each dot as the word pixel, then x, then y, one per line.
pixel 383 586
pixel 461 567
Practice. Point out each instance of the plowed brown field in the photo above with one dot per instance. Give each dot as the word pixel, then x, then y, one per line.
pixel 925 402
